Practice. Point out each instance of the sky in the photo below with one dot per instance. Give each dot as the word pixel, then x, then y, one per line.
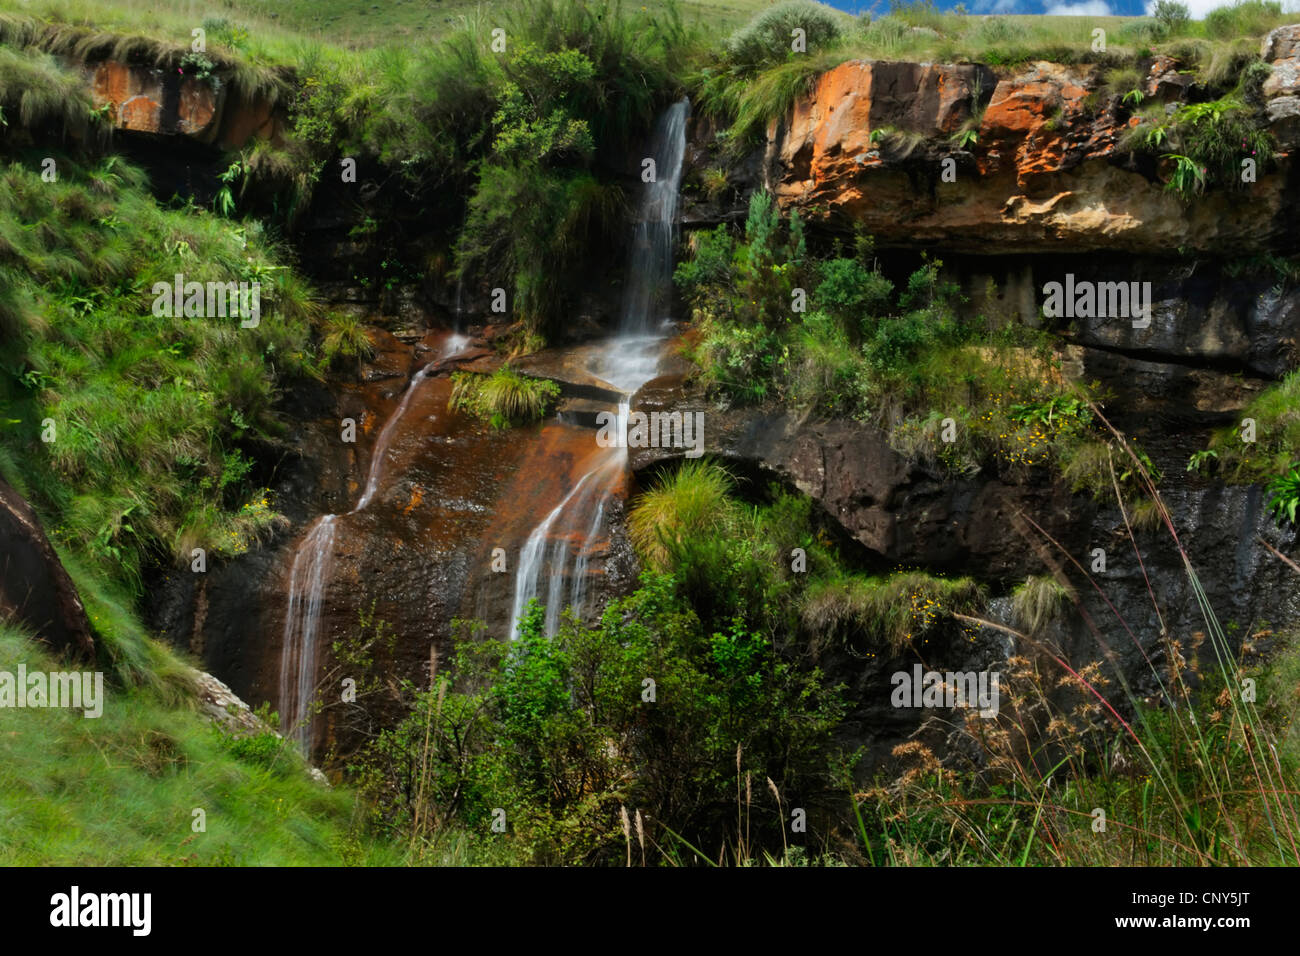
pixel 1120 8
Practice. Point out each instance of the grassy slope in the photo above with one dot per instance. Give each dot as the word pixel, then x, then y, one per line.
pixel 121 789
pixel 347 22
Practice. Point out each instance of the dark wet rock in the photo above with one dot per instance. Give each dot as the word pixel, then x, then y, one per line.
pixel 1000 530
pixel 35 590
pixel 570 369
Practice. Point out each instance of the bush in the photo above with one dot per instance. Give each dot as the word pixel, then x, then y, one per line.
pixel 1172 16
pixel 852 293
pixel 558 733
pixel 767 39
pixel 1206 142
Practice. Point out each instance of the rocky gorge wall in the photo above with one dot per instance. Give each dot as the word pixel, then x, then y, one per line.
pixel 1043 190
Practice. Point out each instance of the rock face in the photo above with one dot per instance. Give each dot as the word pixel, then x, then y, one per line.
pixel 1000 530
pixel 868 148
pixel 35 590
pixel 152 100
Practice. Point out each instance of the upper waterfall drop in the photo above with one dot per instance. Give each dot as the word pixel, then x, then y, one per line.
pixel 650 262
pixel 555 562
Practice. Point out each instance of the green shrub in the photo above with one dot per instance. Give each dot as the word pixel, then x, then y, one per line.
pixel 768 38
pixel 1206 142
pixel 1172 16
pixel 852 293
pixel 558 732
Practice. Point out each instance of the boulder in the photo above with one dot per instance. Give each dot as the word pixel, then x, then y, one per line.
pixel 35 590
pixel 1281 50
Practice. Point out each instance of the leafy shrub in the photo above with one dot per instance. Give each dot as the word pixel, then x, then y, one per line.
pixel 1206 142
pixel 1172 16
pixel 556 731
pixel 852 293
pixel 1284 495
pixel 766 40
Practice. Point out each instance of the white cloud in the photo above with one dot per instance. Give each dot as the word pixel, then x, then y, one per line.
pixel 1086 8
pixel 1199 8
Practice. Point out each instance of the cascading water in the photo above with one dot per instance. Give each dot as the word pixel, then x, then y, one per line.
pixel 559 549
pixel 311 566
pixel 300 652
pixel 650 263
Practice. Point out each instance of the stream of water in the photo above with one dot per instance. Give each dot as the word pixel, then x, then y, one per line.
pixel 556 562
pixel 559 549
pixel 309 576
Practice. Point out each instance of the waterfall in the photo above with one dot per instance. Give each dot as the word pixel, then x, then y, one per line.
pixel 650 263
pixel 300 651
pixel 560 547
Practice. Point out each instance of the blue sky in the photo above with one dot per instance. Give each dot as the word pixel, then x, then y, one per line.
pixel 1089 7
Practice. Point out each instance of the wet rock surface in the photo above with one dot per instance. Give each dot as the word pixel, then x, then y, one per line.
pixel 35 590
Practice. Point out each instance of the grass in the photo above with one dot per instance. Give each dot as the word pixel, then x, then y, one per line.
pixel 753 92
pixel 345 336
pixel 505 398
pixel 891 611
pixel 35 92
pixel 1038 601
pixel 1262 443
pixel 121 789
pixel 1196 776
pixel 126 426
pixel 351 24
pixel 691 502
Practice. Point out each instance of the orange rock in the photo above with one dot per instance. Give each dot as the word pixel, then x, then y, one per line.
pixel 1044 169
pixel 149 100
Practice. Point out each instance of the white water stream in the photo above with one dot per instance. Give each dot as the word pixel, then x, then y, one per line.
pixel 300 643
pixel 558 551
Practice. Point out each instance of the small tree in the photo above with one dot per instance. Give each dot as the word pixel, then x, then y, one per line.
pixel 1172 16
